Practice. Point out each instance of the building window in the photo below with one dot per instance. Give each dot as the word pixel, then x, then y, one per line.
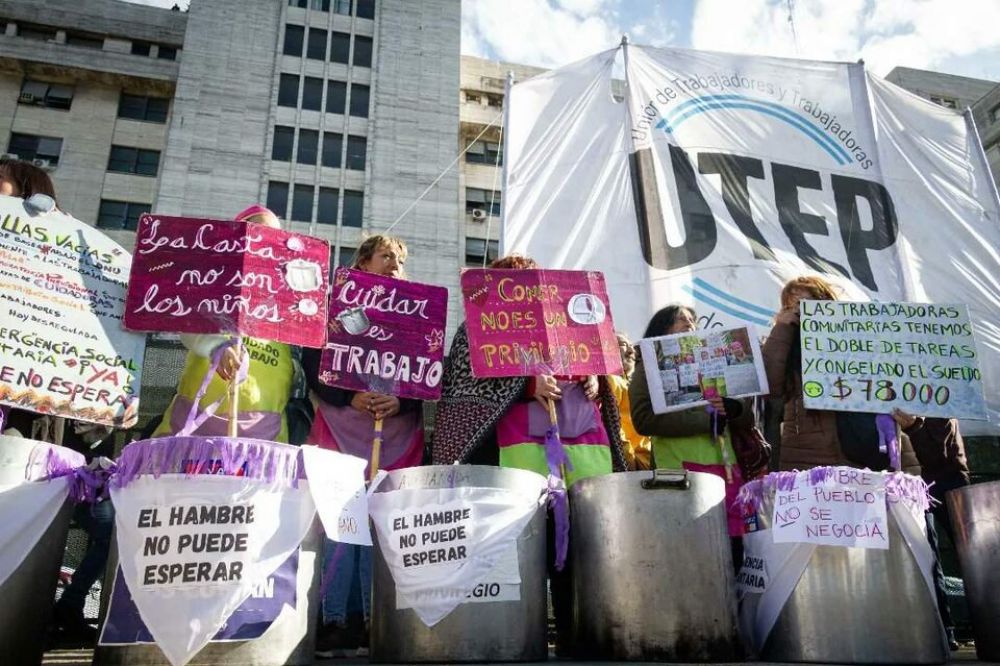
pixel 346 258
pixel 473 98
pixel 277 198
pixel 356 149
pixel 166 53
pixel 134 160
pixel 308 146
pixel 51 95
pixel 326 212
pixel 140 48
pixel 38 32
pixel 293 40
pixel 316 49
pixel 302 203
pixel 478 250
pixel 298 3
pixel 362 51
pixel 342 7
pixel 320 5
pixel 340 47
pixel 478 199
pixel 359 101
pixel 281 148
pixel 366 9
pixel 84 40
pixel 995 114
pixel 946 102
pixel 354 208
pixel 484 152
pixel 495 101
pixel 139 107
pixel 120 214
pixel 31 147
pixel 288 90
pixel 332 146
pixel 336 96
pixel 312 94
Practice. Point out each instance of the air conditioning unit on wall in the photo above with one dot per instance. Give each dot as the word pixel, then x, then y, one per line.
pixel 478 214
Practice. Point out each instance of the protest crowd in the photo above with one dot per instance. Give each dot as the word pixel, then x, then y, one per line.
pixel 322 412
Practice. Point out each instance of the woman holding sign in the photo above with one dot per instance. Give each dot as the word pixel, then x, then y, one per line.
pixel 345 421
pixel 262 395
pixel 816 437
pixel 687 439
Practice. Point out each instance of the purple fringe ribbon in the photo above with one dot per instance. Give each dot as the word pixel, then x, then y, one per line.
pixel 48 462
pixel 887 440
pixel 899 486
pixel 558 500
pixel 276 464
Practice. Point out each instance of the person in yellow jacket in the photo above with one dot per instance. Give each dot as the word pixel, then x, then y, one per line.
pixel 263 395
pixel 637 448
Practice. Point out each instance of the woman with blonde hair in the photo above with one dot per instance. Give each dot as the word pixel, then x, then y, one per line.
pixel 816 437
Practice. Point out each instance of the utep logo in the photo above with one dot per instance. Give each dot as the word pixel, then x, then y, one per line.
pixel 699 224
pixel 208 467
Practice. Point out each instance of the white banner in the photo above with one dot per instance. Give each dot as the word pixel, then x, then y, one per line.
pixel 439 544
pixel 194 548
pixel 337 483
pixel 62 294
pixel 503 583
pixel 846 509
pixel 722 176
pixel 26 512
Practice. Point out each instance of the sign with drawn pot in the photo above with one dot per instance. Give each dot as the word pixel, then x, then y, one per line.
pixel 193 275
pixel 62 294
pixel 385 335
pixel 533 322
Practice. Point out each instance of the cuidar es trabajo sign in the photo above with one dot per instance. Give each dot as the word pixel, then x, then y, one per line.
pixel 385 335
pixel 192 275
pixel 875 357
pixel 532 322
pixel 62 294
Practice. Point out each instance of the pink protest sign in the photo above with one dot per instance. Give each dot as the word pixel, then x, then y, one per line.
pixel 385 335
pixel 532 322
pixel 193 275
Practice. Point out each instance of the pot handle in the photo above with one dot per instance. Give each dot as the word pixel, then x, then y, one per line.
pixel 667 478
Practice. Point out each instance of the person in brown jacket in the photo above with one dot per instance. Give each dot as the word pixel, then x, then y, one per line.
pixel 817 437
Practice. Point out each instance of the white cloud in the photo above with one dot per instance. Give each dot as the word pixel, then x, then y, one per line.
pixel 886 33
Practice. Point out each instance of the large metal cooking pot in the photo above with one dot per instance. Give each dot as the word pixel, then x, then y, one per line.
pixel 858 606
pixel 490 631
pixel 289 640
pixel 652 568
pixel 975 514
pixel 28 594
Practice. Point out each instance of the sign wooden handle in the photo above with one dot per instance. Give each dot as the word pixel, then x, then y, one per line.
pixel 376 450
pixel 234 394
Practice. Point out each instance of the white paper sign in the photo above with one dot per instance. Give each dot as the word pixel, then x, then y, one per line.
pixel 847 509
pixel 875 357
pixel 193 548
pixel 337 483
pixel 447 539
pixel 753 577
pixel 685 368
pixel 62 294
pixel 501 584
pixel 26 512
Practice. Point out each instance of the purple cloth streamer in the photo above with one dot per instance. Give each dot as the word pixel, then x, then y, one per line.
pixel 899 486
pixel 557 460
pixel 887 440
pixel 194 420
pixel 276 464
pixel 48 462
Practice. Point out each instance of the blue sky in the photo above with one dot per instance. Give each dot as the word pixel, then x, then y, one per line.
pixel 953 36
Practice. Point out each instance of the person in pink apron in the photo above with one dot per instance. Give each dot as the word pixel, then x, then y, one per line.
pixel 345 422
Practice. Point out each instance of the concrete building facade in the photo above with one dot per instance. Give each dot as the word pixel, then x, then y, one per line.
pixel 986 113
